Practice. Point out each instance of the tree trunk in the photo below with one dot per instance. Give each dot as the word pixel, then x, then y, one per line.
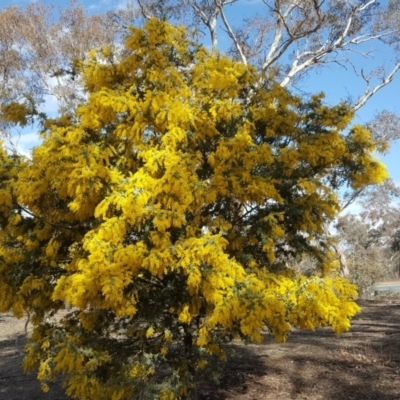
pixel 344 269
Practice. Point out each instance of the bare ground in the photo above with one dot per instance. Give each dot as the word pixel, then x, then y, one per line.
pixel 363 364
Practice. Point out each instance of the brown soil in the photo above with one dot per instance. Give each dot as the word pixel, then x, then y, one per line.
pixel 363 364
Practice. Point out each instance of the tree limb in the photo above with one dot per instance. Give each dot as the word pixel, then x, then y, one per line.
pixel 231 34
pixel 370 92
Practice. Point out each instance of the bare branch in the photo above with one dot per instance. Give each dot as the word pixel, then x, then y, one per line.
pixel 370 92
pixel 25 210
pixel 231 33
pixel 289 30
pixel 143 10
pixel 210 21
pixel 351 198
pixel 277 49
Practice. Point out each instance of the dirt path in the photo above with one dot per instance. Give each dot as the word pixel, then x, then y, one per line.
pixel 363 364
pixel 14 384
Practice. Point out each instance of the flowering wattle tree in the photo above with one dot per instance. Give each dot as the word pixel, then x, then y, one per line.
pixel 157 220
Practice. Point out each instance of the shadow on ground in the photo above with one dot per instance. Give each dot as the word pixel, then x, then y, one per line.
pixel 363 364
pixel 14 384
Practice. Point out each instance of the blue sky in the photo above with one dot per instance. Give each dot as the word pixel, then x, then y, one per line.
pixel 336 82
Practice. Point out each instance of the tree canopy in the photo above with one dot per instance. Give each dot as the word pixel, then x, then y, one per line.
pixel 155 221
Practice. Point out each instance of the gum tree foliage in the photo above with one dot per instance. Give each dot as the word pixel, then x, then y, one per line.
pixel 154 220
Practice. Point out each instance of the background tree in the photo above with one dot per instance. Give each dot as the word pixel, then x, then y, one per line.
pixel 379 209
pixel 368 237
pixel 163 210
pixel 38 57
